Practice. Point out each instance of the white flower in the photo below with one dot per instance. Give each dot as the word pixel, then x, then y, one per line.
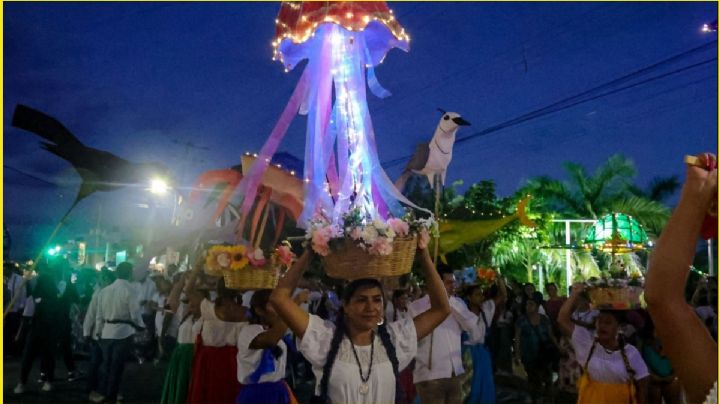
pixel 369 234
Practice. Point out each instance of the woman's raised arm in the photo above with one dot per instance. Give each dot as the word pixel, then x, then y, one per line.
pixel 281 298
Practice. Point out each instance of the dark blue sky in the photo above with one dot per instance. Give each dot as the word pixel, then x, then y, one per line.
pixel 135 78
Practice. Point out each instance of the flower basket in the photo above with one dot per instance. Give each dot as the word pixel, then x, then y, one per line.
pixel 252 278
pixel 245 269
pixel 219 258
pixel 615 298
pixel 348 261
pixel 213 272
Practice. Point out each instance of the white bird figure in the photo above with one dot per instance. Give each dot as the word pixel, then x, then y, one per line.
pixel 434 157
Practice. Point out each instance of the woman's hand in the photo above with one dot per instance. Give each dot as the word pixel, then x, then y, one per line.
pixel 701 182
pixel 423 239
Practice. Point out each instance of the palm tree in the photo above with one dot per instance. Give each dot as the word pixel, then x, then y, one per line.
pixel 609 189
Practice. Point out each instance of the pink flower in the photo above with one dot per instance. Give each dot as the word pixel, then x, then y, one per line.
pixel 322 249
pixel 257 258
pixel 285 255
pixel 320 239
pixel 423 239
pixel 381 246
pixel 400 227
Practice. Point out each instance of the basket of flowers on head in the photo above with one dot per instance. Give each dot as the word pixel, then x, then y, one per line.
pixel 486 277
pixel 362 248
pixel 616 289
pixel 243 268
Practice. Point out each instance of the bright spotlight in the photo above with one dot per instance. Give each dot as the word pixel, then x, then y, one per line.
pixel 158 186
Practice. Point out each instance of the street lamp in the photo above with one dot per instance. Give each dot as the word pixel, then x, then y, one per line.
pixel 158 186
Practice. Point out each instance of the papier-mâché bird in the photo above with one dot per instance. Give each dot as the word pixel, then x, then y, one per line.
pixel 434 157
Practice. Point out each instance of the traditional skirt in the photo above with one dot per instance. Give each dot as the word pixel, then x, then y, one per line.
pixel 482 385
pixel 266 393
pixel 177 378
pixel 591 391
pixel 214 375
pixel 407 386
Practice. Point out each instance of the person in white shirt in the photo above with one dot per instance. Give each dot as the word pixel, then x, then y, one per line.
pixel 118 318
pixel 92 334
pixel 166 322
pixel 146 293
pixel 483 304
pixel 15 293
pixel 438 363
pixel 358 358
pixel 397 308
pixel 177 376
pixel 214 367
pixel 262 355
pixel 613 371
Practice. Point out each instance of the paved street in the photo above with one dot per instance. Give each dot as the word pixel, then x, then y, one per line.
pixel 141 384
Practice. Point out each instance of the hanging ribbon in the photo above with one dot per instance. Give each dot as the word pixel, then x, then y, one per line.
pixel 249 185
pixel 372 80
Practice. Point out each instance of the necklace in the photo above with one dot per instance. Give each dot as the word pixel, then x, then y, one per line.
pixel 364 387
pixel 609 351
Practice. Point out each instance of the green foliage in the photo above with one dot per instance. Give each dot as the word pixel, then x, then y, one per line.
pixel 517 250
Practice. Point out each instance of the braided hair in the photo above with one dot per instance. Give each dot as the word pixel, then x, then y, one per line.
pixel 341 332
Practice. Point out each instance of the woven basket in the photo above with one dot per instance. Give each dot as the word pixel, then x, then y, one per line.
pixel 212 272
pixel 348 261
pixel 608 298
pixel 252 278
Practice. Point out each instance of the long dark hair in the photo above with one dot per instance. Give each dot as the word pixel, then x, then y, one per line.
pixel 260 299
pixel 341 331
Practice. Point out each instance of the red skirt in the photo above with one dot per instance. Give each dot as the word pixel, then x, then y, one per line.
pixel 214 375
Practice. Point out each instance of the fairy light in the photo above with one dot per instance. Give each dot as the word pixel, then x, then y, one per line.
pixel 304 28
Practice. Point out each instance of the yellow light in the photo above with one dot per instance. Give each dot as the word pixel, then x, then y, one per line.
pixel 158 186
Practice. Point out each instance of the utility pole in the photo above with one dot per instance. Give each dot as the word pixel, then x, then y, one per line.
pixel 188 147
pixel 568 267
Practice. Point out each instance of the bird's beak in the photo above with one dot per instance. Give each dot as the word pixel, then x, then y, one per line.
pixel 461 122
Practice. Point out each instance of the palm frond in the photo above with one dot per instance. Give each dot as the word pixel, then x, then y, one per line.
pixel 651 214
pixel 662 187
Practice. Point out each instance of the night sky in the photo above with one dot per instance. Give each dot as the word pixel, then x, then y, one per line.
pixel 155 81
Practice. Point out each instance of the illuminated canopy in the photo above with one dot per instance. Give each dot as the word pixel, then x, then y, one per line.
pixel 617 233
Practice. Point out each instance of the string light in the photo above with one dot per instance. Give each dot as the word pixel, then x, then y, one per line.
pixel 302 30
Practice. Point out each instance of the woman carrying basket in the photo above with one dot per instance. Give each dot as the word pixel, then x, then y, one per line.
pixel 262 355
pixel 358 358
pixel 613 372
pixel 214 369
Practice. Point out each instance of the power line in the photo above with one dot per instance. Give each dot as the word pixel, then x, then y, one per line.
pixel 591 93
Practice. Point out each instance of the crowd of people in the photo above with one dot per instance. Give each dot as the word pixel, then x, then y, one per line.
pixel 444 342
